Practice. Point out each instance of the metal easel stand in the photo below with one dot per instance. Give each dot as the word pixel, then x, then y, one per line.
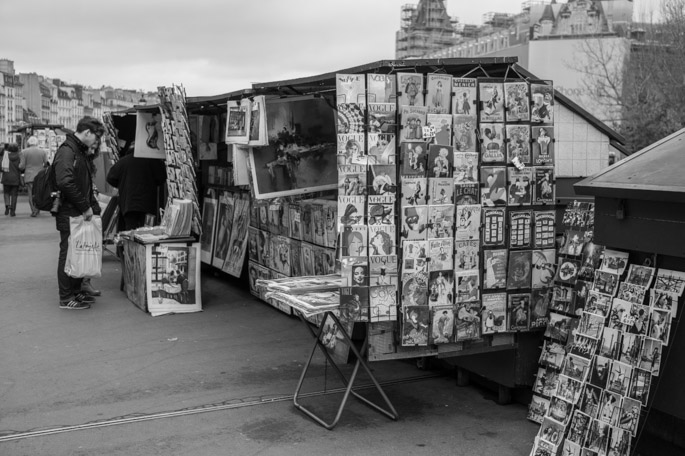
pixel 391 413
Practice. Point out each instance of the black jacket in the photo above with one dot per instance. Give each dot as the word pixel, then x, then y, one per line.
pixel 73 180
pixel 137 180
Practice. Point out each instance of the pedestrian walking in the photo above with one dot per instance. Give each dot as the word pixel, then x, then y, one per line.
pixel 35 159
pixel 12 164
pixel 75 185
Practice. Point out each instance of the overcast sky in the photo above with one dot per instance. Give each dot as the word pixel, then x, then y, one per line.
pixel 208 46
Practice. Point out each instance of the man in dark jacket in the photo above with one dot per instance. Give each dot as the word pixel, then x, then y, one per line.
pixel 74 182
pixel 137 180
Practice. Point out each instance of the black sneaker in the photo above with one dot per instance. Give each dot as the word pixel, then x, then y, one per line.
pixel 73 305
pixel 84 298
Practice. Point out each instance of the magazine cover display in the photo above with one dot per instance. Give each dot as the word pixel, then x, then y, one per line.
pixel 414 191
pixel 517 101
pixel 410 88
pixel 414 159
pixel 493 148
pixel 543 103
pixel 382 180
pixel 493 183
pixel 440 161
pixel 381 149
pixel 494 313
pixel 414 222
pixel 468 286
pixel 441 221
pixel 440 251
pixel 494 226
pixel 441 125
pixel 465 167
pixel 464 96
pixel 467 256
pixel 491 101
pixel 467 321
pixel 518 311
pixel 438 96
pixel 351 149
pixel 441 191
pixel 412 121
pixel 468 222
pixel 381 88
pixel 382 118
pixel 543 145
pixel 415 322
pixel 442 325
pixel 464 130
pixel 518 144
pixel 495 269
pixel 520 228
pixel 381 209
pixel 383 270
pixel 440 288
pixel 544 185
pixel 544 223
pixel 350 89
pixel 520 186
pixel 382 240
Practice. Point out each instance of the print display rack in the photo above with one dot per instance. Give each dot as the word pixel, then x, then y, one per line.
pixel 609 324
pixel 445 209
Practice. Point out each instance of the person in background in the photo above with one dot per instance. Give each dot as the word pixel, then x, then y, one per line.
pixel 137 180
pixel 35 159
pixel 75 185
pixel 12 165
pixel 93 154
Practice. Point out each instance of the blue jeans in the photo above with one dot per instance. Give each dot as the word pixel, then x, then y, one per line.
pixel 68 286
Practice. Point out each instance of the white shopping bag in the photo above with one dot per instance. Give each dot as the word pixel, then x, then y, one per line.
pixel 84 257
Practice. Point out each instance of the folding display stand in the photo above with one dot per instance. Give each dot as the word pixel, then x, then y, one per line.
pixel 359 354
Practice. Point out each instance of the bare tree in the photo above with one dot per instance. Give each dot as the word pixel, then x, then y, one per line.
pixel 643 89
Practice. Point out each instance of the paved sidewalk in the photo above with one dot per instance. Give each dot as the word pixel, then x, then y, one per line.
pixel 114 380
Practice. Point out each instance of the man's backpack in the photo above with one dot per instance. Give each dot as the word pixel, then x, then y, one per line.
pixel 43 187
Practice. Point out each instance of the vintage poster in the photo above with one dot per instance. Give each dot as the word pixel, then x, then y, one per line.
pixel 415 289
pixel 491 101
pixel 442 125
pixel 464 96
pixel 544 185
pixel 414 190
pixel 382 180
pixel 414 221
pixel 468 286
pixel 465 167
pixel 494 313
pixel 410 88
pixel 439 91
pixel 237 122
pixel 350 88
pixel 332 338
pixel 440 161
pixel 559 327
pixel 606 282
pixel 669 281
pixel 441 221
pixel 351 211
pixel 518 311
pixel 382 118
pixel 350 119
pixel 440 288
pixel 467 321
pixel 493 148
pixel 414 159
pixel 442 325
pixel 382 240
pixel 543 145
pixel 440 190
pixel 544 227
pixel 351 180
pixel 495 265
pixel 173 278
pixel 494 226
pixel 381 149
pixel 543 103
pixel 537 409
pixel 520 188
pixel 351 149
pixel 640 275
pixel 518 144
pixel 517 101
pixel 520 228
pixel 467 256
pixel 567 270
pixel 383 303
pixel 381 210
pixel 209 224
pixel 381 88
pixel 354 271
pixel 415 321
pixel 464 129
pixel 233 264
pixel 543 268
pixel 383 270
pixel 465 194
pixel 440 254
pixel 413 119
pixel 224 225
pixel 299 158
pixel 493 181
pixel 354 240
pixel 354 303
pixel 468 222
pixel 414 254
pixel 149 138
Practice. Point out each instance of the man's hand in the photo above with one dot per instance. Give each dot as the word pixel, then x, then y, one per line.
pixel 88 214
